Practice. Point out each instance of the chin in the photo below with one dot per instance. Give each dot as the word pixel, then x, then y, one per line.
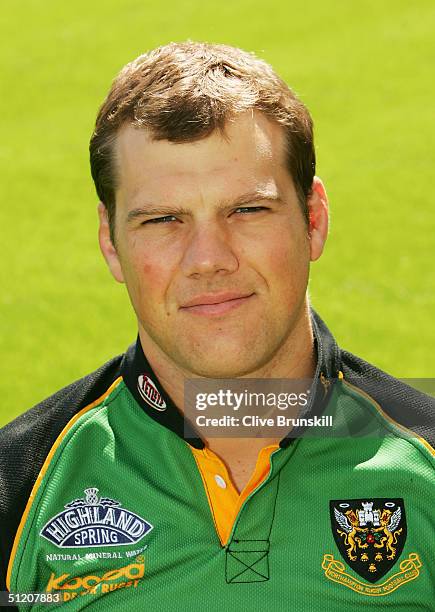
pixel 222 368
pixel 224 357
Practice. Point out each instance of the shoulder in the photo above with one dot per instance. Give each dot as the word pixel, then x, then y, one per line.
pixel 399 401
pixel 26 442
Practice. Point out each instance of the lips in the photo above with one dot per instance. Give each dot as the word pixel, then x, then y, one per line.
pixel 215 298
pixel 216 303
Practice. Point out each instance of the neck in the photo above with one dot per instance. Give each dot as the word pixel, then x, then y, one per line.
pixel 294 358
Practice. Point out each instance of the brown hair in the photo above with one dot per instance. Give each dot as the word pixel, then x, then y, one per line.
pixel 182 92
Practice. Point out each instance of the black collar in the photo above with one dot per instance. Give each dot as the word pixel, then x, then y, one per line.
pixel 160 407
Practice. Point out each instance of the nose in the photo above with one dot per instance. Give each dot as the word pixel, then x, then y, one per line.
pixel 209 251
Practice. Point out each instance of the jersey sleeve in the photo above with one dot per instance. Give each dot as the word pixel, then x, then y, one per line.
pixel 26 442
pixel 401 402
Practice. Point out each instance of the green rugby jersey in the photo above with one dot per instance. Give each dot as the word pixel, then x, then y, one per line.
pixel 106 505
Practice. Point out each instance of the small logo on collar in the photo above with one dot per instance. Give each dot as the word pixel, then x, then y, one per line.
pixel 149 393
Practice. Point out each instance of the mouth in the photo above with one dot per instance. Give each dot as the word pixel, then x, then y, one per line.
pixel 212 306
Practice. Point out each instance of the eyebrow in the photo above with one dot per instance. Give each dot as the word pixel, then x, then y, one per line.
pixel 164 209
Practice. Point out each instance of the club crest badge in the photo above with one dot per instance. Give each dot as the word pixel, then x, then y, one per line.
pixel 369 533
pixel 93 522
pixel 149 393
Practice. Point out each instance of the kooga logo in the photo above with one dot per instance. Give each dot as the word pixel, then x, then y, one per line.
pixel 94 522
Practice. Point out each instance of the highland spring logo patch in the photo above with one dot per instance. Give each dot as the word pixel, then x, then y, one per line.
pixel 95 521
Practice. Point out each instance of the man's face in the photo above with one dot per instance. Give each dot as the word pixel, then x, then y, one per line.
pixel 212 245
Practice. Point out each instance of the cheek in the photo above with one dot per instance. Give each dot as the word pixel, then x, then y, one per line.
pixel 147 276
pixel 154 277
pixel 284 259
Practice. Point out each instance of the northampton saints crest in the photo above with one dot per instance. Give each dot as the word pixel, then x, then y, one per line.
pixel 370 533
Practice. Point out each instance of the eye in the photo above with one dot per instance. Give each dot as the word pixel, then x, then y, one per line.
pixel 250 209
pixel 157 220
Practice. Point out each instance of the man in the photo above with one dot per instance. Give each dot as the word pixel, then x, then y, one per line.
pixel 210 213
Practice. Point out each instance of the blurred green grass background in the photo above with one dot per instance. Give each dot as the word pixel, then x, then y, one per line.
pixel 365 71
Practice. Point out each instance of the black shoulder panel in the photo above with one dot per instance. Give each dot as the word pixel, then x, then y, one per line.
pixel 26 441
pixel 405 405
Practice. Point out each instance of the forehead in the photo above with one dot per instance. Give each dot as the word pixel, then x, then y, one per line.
pixel 250 154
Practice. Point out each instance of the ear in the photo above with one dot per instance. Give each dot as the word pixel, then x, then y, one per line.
pixel 108 250
pixel 319 218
